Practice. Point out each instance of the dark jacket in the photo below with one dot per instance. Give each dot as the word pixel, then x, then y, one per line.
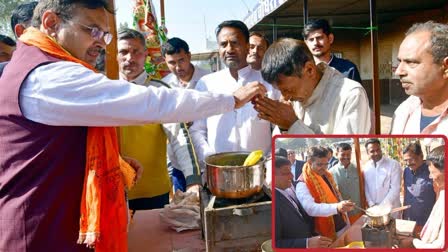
pixel 41 169
pixel 292 227
pixel 347 68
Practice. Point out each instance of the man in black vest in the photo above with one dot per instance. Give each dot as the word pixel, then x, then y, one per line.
pixel 293 226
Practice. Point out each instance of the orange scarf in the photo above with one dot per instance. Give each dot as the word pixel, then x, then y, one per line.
pixel 321 193
pixel 103 221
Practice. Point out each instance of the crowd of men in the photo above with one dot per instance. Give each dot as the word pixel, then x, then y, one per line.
pixel 62 162
pixel 322 199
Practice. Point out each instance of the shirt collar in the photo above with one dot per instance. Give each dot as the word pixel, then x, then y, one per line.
pixel 320 87
pixel 380 162
pixel 140 79
pixel 243 72
pixel 331 59
pixel 421 169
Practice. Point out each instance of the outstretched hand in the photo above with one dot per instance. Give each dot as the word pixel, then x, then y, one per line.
pixel 319 242
pixel 244 94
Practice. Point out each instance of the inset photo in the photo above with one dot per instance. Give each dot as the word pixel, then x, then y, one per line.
pixel 356 192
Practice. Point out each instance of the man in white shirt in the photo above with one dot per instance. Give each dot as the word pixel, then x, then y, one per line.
pixel 382 177
pixel 423 72
pixel 183 75
pixel 317 98
pixel 296 166
pixel 178 59
pixel 258 44
pixel 241 129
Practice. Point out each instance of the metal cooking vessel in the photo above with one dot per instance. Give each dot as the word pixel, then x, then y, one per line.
pixel 384 219
pixel 228 178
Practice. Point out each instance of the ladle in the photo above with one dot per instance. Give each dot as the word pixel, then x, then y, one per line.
pixel 357 207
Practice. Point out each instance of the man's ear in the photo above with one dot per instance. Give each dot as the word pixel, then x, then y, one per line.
pixel 18 30
pixel 50 23
pixel 445 67
pixel 330 38
pixel 189 56
pixel 309 68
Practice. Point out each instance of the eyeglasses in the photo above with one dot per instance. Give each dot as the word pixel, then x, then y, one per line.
pixel 98 34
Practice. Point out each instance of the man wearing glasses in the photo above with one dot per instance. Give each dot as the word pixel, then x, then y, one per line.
pixel 49 101
pixel 318 193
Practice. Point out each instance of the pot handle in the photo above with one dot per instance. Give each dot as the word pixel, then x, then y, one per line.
pixel 243 211
pixel 400 208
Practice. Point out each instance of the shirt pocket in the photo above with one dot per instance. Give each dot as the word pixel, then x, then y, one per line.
pixel 383 180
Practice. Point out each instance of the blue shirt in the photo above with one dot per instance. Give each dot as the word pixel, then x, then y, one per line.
pixel 419 193
pixel 426 120
pixel 346 67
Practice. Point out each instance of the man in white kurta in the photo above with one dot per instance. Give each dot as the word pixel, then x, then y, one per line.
pixel 338 105
pixel 318 98
pixel 238 130
pixel 241 129
pixel 382 176
pixel 423 72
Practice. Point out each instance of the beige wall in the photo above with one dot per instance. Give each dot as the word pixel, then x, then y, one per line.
pixel 357 49
pixel 389 39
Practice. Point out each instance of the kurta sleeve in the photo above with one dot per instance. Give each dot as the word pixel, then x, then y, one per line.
pixel 68 94
pixel 182 153
pixel 311 207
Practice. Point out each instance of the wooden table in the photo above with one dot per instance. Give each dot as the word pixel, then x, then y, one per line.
pixel 148 233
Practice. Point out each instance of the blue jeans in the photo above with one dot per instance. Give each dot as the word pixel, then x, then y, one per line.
pixel 177 178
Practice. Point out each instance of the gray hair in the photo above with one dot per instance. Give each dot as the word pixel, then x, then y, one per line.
pixel 127 33
pixel 439 38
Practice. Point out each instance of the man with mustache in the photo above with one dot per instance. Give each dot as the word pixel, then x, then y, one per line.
pixel 258 44
pixel 317 98
pixel 319 37
pixel 418 187
pixel 294 228
pixel 147 143
pixel 423 72
pixel 56 115
pixel 348 179
pixel 241 129
pixel 382 176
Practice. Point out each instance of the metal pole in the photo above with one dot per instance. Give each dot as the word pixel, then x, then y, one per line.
pixel 375 79
pixel 162 12
pixel 360 174
pixel 305 12
pixel 274 29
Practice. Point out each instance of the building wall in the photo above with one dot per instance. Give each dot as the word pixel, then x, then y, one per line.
pixel 389 39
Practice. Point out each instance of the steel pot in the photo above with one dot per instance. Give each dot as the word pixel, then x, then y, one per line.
pixel 228 178
pixel 383 218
